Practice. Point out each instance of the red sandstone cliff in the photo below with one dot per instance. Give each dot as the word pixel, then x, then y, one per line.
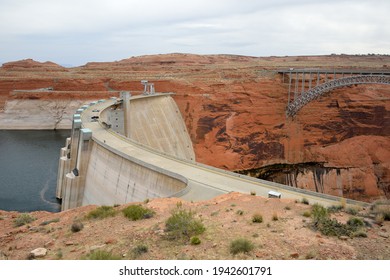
pixel 234 107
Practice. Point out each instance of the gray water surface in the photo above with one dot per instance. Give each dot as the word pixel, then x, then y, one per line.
pixel 28 169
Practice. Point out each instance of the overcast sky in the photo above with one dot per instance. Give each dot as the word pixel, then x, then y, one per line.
pixel 73 32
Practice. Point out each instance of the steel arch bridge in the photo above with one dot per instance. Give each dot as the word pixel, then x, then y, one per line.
pixel 300 81
pixel 314 93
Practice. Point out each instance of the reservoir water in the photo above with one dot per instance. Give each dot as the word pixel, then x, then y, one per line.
pixel 28 169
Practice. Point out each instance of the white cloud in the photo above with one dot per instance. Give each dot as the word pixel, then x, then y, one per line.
pixel 97 30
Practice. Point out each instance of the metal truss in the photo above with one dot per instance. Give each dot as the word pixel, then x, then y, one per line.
pixel 315 92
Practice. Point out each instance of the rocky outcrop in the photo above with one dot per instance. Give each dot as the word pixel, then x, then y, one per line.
pixel 234 109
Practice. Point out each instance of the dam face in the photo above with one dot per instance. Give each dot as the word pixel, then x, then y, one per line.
pixel 130 149
pixel 93 172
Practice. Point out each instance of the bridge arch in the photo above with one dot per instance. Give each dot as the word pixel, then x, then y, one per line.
pixel 314 93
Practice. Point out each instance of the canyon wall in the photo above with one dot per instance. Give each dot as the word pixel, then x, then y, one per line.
pixel 234 109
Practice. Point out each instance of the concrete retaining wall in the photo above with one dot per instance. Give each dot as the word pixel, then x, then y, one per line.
pixel 113 179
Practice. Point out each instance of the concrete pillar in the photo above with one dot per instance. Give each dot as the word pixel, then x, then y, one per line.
pixel 75 179
pixel 125 95
pixel 76 126
pixel 63 166
pixel 83 156
pixel 69 165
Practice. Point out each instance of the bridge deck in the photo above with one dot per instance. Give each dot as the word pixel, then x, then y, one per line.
pixel 336 71
pixel 203 182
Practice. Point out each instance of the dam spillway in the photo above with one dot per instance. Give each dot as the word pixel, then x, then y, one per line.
pixel 134 148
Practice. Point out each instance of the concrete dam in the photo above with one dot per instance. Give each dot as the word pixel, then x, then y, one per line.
pixel 132 148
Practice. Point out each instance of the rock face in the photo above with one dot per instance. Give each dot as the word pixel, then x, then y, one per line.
pixel 234 108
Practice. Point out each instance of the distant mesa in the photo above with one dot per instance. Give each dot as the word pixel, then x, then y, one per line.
pixel 30 63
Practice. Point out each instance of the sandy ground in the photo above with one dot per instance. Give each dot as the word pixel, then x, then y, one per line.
pixel 289 237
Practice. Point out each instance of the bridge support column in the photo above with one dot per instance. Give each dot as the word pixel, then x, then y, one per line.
pixel 289 88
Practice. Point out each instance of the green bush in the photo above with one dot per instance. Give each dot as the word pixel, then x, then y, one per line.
pixel 335 208
pixel 332 227
pixel 305 201
pixel 102 255
pixel 360 233
pixel 351 211
pixel 102 212
pixel 306 214
pixel 355 222
pixel 137 212
pixel 183 224
pixel 319 213
pixel 195 240
pixel 23 219
pixel 257 218
pixel 139 250
pixel 241 245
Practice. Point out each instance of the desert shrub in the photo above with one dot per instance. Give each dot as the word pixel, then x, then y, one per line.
pixel 49 222
pixel 310 255
pixel 306 214
pixel 287 208
pixel 335 208
pixel 23 219
pixel 102 212
pixel 139 250
pixel 195 240
pixel 214 213
pixel 319 213
pixel 351 211
pixel 253 193
pixel 305 201
pixel 343 202
pixel 332 227
pixel 379 219
pixel 241 245
pixel 183 224
pixel 77 226
pixel 137 212
pixel 257 218
pixel 355 222
pixel 382 208
pixel 360 233
pixel 275 217
pixel 102 255
pixel 240 212
pixel 59 254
